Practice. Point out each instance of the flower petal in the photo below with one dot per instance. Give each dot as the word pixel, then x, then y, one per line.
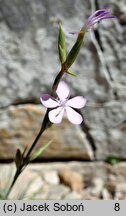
pixel 62 90
pixel 99 12
pixel 73 33
pixel 56 115
pixel 48 102
pixel 97 16
pixel 73 116
pixel 77 102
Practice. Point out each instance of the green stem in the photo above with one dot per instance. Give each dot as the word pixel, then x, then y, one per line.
pixel 18 172
pixel 57 79
pixel 42 129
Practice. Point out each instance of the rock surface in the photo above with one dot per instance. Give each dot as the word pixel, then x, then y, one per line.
pixel 72 179
pixel 101 181
pixel 29 64
pixel 20 124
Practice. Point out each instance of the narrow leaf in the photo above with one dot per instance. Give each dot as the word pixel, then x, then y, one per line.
pixel 61 45
pixel 71 73
pixel 74 50
pixel 40 151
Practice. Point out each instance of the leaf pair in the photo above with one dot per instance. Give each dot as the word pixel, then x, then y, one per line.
pixel 68 60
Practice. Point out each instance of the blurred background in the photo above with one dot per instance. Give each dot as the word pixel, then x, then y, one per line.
pixel 28 65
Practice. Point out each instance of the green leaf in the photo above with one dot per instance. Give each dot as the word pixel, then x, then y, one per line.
pixel 114 160
pixel 71 73
pixel 61 45
pixel 74 50
pixel 18 158
pixel 40 151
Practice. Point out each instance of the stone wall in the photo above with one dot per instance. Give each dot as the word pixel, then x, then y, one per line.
pixel 29 64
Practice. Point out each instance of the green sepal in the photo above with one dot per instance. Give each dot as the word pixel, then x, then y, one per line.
pixel 40 151
pixel 61 45
pixel 74 50
pixel 71 73
pixel 18 158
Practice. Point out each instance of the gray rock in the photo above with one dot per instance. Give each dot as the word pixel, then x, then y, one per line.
pixel 102 181
pixel 107 130
pixel 97 186
pixel 113 41
pixel 105 194
pixel 51 177
pixel 73 195
pixel 57 192
pixel 29 64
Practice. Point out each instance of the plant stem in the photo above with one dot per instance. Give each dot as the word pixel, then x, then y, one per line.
pixel 18 172
pixel 42 129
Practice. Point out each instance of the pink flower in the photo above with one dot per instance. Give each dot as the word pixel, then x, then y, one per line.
pixel 97 16
pixel 63 104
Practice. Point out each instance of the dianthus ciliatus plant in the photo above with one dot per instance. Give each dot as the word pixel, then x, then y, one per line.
pixel 59 101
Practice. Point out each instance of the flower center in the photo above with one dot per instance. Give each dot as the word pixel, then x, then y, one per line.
pixel 63 102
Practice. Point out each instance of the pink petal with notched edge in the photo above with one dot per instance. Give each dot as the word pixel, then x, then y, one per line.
pixel 56 115
pixel 62 90
pixel 77 102
pixel 73 116
pixel 48 102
